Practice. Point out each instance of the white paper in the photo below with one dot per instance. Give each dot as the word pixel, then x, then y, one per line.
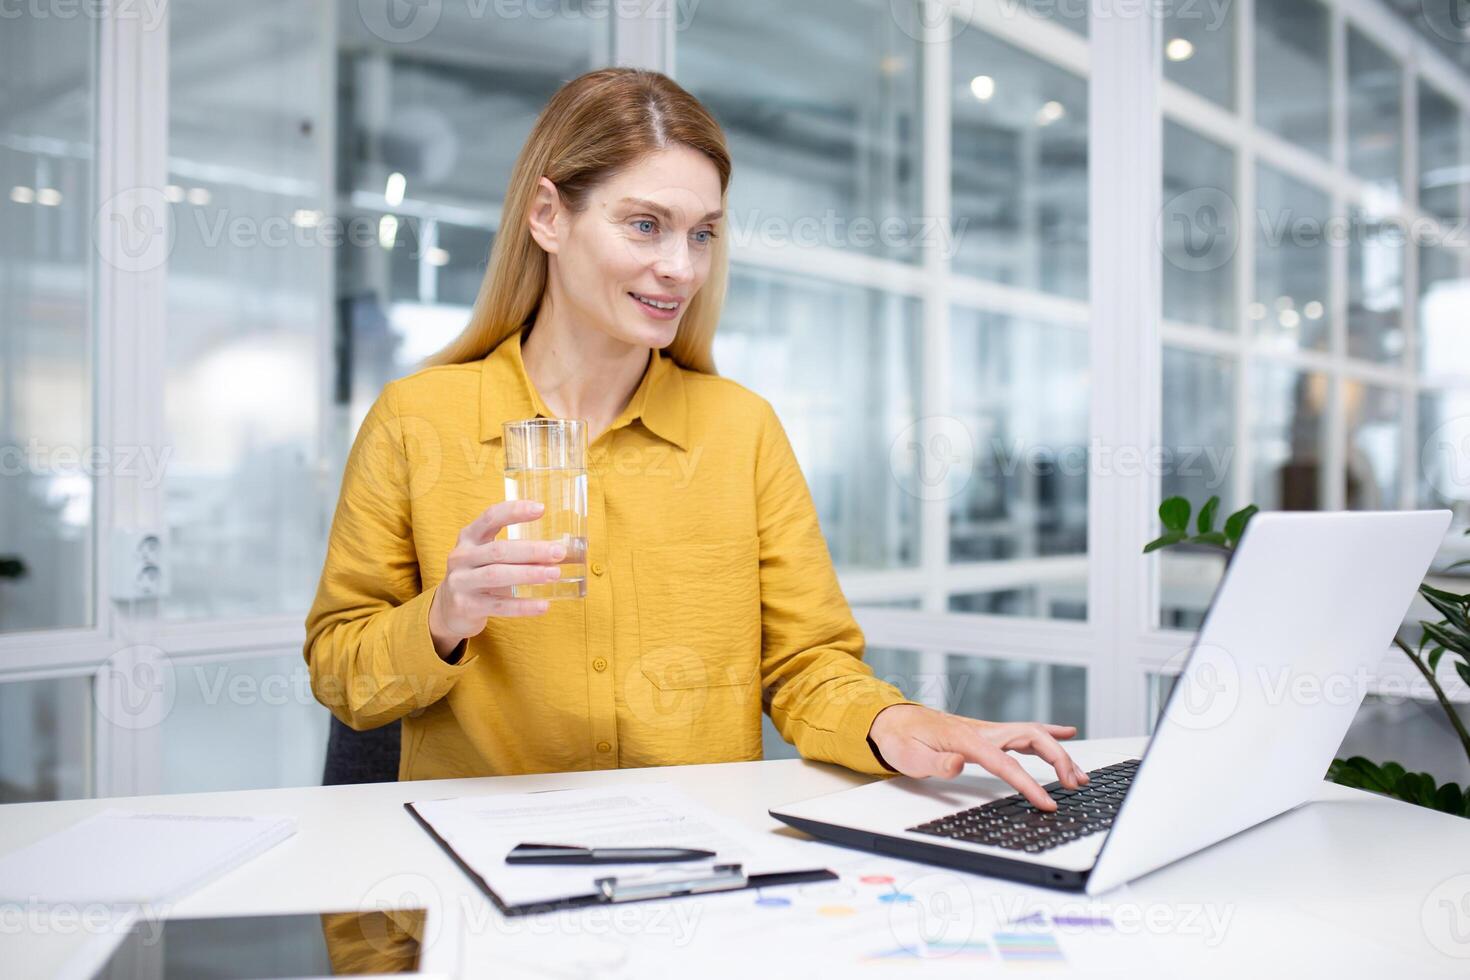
pixel 122 858
pixel 483 830
pixel 882 916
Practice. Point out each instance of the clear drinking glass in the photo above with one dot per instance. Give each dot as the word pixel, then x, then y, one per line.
pixel 546 461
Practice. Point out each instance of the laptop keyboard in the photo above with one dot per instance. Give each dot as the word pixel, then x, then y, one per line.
pixel 1015 824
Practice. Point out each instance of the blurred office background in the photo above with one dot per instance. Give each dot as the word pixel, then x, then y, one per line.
pixel 330 175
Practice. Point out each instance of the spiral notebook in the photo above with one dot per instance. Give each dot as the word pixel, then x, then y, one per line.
pixel 479 831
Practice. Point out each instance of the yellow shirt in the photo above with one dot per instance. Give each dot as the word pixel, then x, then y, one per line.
pixel 710 590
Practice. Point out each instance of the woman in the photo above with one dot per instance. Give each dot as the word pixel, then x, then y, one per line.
pixel 710 590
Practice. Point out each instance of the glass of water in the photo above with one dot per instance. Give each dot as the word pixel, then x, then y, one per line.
pixel 546 461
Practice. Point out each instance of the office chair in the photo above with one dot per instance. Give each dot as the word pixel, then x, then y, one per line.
pixel 362 757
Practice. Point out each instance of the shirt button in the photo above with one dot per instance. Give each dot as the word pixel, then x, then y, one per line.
pixel 597 568
pixel 604 747
pixel 599 665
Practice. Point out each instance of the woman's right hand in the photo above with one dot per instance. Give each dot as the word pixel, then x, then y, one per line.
pixel 481 570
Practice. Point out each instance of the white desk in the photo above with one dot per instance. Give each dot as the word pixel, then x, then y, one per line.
pixel 1351 885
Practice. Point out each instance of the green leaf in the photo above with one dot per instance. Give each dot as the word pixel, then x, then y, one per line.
pixel 1450 799
pixel 1235 523
pixel 1342 771
pixel 1421 788
pixel 1463 669
pixel 1174 513
pixel 1391 772
pixel 1206 522
pixel 1448 605
pixel 1446 636
pixel 1173 537
pixel 1434 656
pixel 1428 590
pixel 1212 537
pixel 1362 773
pixel 1465 561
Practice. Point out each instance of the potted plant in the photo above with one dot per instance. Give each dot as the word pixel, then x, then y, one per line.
pixel 1451 635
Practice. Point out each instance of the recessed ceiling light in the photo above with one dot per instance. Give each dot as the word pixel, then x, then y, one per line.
pixel 393 192
pixel 1179 49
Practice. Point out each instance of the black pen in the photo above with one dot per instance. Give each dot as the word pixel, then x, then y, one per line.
pixel 570 854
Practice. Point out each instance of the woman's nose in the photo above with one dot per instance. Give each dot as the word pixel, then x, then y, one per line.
pixel 674 263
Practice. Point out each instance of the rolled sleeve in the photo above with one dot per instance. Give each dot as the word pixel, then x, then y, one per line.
pixel 368 647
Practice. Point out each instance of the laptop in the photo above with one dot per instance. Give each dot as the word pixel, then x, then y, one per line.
pixel 1306 611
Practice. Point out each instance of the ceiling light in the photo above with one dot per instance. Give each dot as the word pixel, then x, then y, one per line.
pixel 393 192
pixel 1179 49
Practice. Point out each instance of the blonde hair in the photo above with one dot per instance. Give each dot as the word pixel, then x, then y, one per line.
pixel 595 126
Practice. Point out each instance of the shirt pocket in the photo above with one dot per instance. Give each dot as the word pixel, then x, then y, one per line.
pixel 699 613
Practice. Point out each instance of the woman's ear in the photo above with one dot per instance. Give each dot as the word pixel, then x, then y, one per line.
pixel 542 215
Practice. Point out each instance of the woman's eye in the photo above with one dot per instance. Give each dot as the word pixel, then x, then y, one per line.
pixel 644 221
pixel 709 236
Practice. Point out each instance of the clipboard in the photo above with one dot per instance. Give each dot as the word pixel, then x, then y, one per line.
pixel 608 889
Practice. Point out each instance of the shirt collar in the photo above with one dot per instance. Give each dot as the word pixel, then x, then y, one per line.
pixel 506 394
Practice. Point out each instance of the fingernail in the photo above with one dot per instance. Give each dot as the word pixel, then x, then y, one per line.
pixel 552 572
pixel 558 552
pixel 535 505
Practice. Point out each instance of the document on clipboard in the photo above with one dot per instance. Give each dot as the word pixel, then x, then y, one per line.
pixel 479 831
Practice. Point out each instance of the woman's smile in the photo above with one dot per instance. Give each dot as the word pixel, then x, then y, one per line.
pixel 668 307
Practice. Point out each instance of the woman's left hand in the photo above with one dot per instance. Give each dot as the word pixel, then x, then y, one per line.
pixel 921 742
